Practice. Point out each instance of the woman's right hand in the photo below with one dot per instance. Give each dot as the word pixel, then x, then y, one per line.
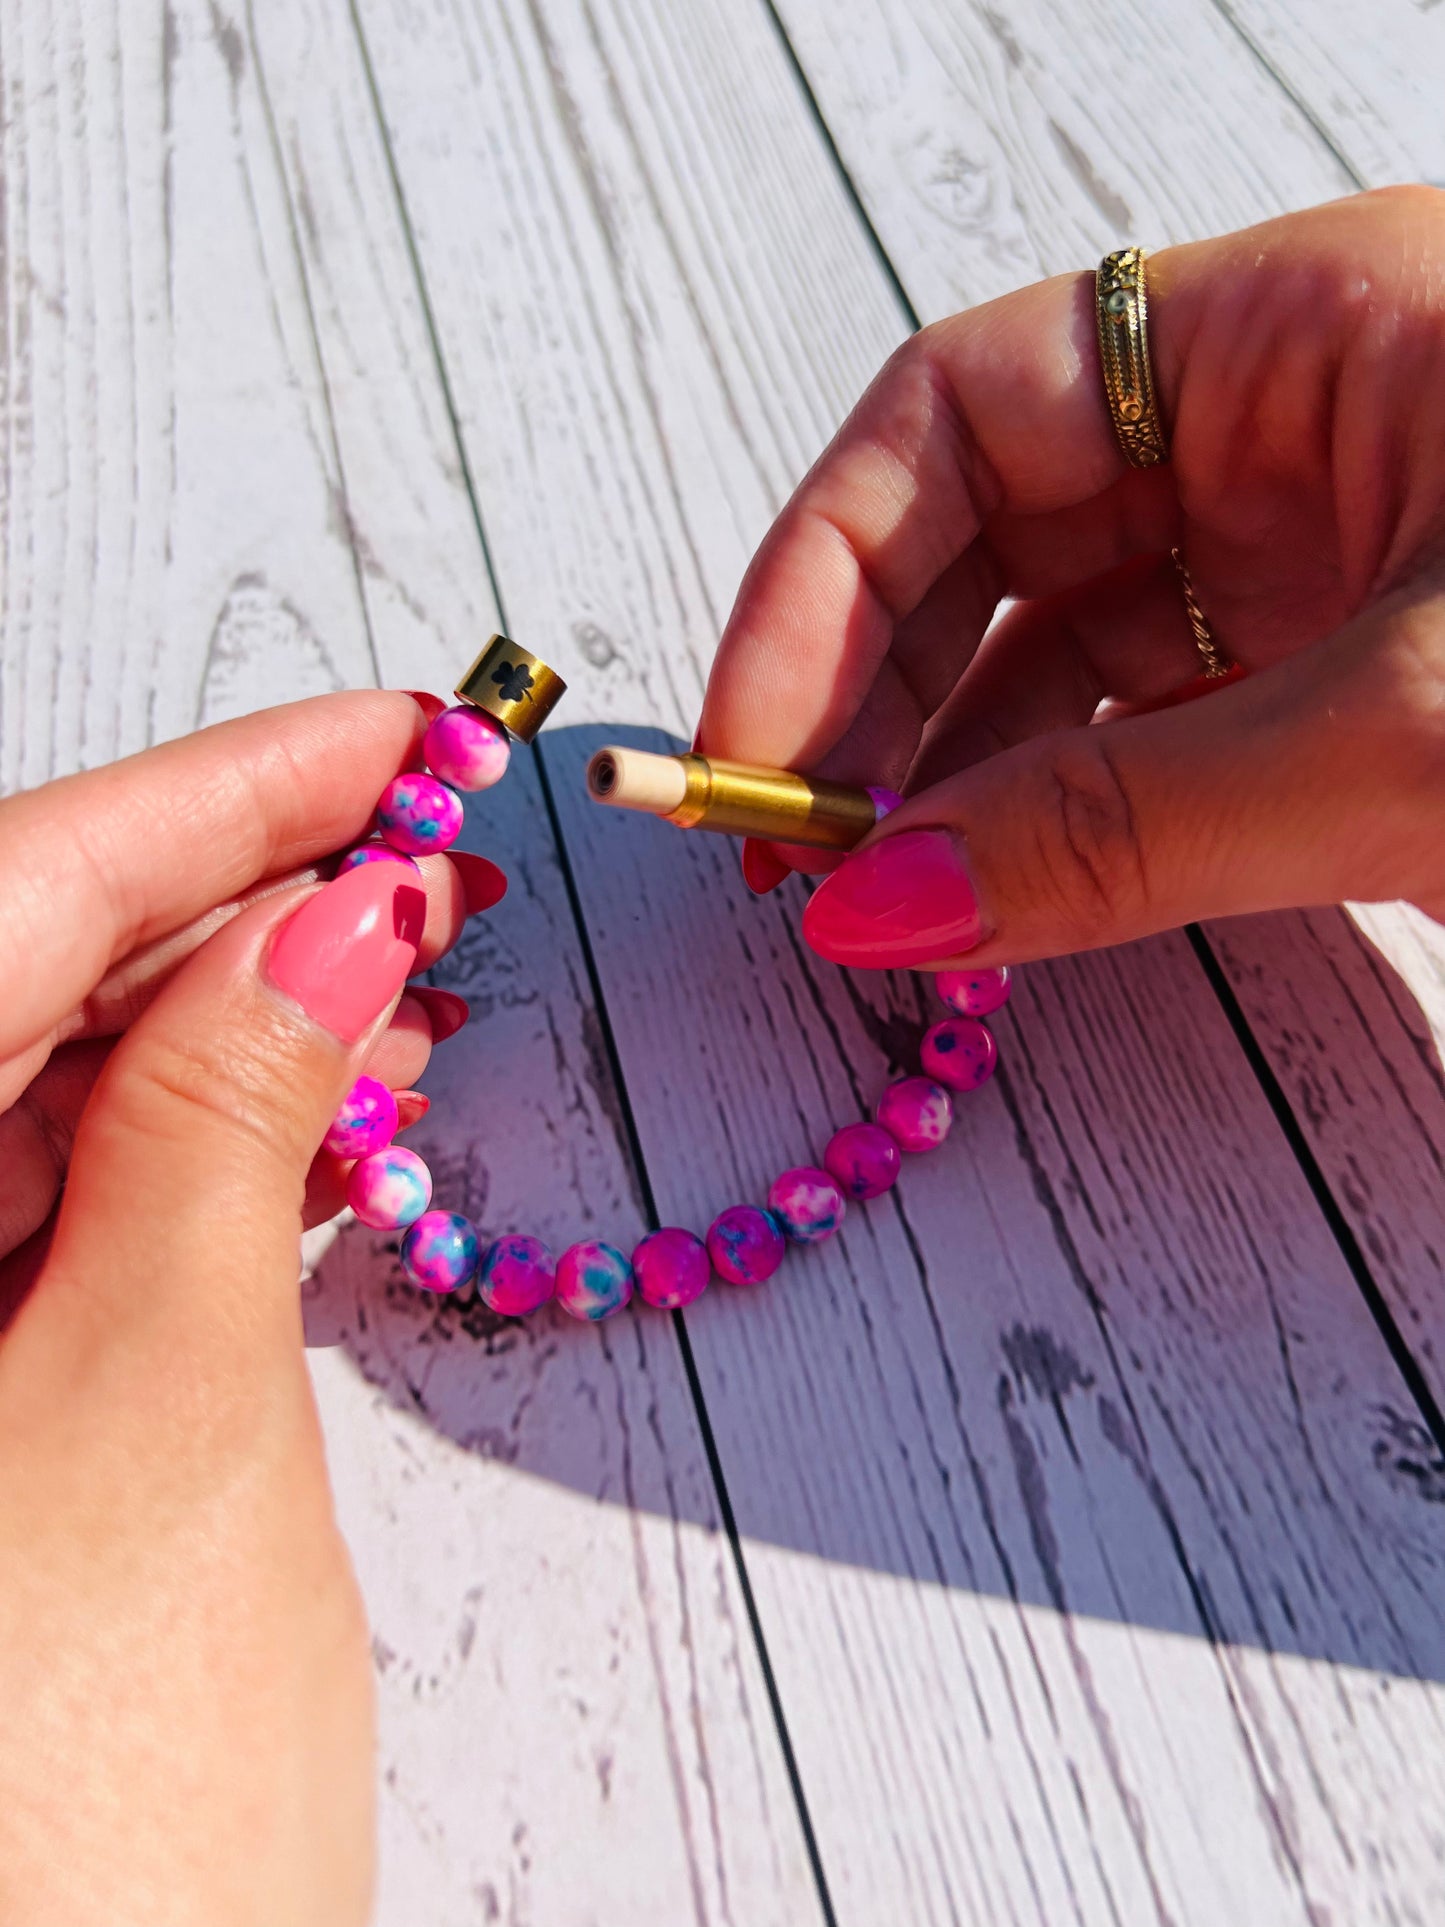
pixel 1301 367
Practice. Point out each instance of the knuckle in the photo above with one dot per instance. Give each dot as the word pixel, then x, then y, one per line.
pixel 1090 849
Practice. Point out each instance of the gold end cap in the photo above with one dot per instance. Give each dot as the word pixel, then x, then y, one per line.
pixel 513 686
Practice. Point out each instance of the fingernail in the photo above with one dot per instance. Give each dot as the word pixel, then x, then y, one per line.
pixel 905 900
pixel 411 1108
pixel 430 705
pixel 445 1011
pixel 483 884
pixel 763 869
pixel 349 949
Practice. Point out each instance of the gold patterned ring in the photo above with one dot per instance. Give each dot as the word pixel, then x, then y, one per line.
pixel 1121 307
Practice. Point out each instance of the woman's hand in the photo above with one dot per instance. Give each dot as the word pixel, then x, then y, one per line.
pixel 183 1659
pixel 1301 369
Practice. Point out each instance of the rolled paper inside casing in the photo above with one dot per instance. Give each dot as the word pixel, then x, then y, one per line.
pixel 704 793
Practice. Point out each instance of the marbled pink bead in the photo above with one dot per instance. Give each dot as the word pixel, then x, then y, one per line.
pixel 418 814
pixel 389 1189
pixel 441 1251
pixel 518 1276
pixel 975 993
pixel 863 1160
pixel 671 1268
pixel 917 1112
pixel 365 1122
pixel 467 749
pixel 372 853
pixel 594 1280
pixel 807 1204
pixel 746 1244
pixel 885 801
pixel 959 1052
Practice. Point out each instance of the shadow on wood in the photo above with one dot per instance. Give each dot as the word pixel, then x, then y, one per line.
pixel 1076 1362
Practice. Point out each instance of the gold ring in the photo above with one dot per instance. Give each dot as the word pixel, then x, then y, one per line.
pixel 1216 663
pixel 1121 308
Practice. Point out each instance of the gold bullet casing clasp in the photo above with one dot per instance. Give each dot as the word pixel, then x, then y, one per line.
pixel 513 686
pixel 741 800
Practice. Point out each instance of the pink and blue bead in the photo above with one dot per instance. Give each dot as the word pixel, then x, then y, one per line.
pixel 917 1113
pixel 390 1189
pixel 441 1251
pixel 959 1052
pixel 594 1280
pixel 366 1121
pixel 518 1275
pixel 975 993
pixel 467 749
pixel 418 815
pixel 863 1161
pixel 746 1244
pixel 671 1268
pixel 807 1203
pixel 373 853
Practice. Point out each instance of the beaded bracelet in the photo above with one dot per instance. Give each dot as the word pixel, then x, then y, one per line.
pixel 390 1188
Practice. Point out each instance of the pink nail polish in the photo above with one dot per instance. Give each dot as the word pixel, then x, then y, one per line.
pixel 349 949
pixel 907 900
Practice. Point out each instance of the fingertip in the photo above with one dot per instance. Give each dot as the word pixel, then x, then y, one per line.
pixel 430 706
pixel 411 1108
pixel 763 868
pixel 445 1011
pixel 483 883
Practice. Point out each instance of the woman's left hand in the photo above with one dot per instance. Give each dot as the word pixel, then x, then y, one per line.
pixel 184 1664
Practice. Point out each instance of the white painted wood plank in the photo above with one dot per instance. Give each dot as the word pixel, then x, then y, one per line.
pixel 1371 77
pixel 995 143
pixel 574 1725
pixel 1086 1595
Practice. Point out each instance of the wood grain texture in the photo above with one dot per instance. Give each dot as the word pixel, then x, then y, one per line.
pixel 230 479
pixel 1369 77
pixel 1090 1592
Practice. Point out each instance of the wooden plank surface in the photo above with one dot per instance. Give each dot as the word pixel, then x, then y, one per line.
pixel 1063 1489
pixel 229 479
pixel 1212 140
pixel 1369 77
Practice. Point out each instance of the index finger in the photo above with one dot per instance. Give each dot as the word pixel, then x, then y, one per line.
pixel 92 865
pixel 998 408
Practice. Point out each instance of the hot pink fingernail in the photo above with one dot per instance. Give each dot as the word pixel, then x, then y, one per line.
pixel 906 900
pixel 349 949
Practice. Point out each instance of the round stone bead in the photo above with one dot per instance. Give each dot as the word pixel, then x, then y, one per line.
pixel 593 1280
pixel 885 801
pixel 419 815
pixel 917 1113
pixel 959 1052
pixel 746 1244
pixel 441 1251
pixel 975 993
pixel 389 1189
pixel 366 1121
pixel 373 853
pixel 807 1204
pixel 863 1160
pixel 671 1268
pixel 518 1276
pixel 465 748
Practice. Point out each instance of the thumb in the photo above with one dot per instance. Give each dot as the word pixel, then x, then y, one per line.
pixel 182 1211
pixel 1311 782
